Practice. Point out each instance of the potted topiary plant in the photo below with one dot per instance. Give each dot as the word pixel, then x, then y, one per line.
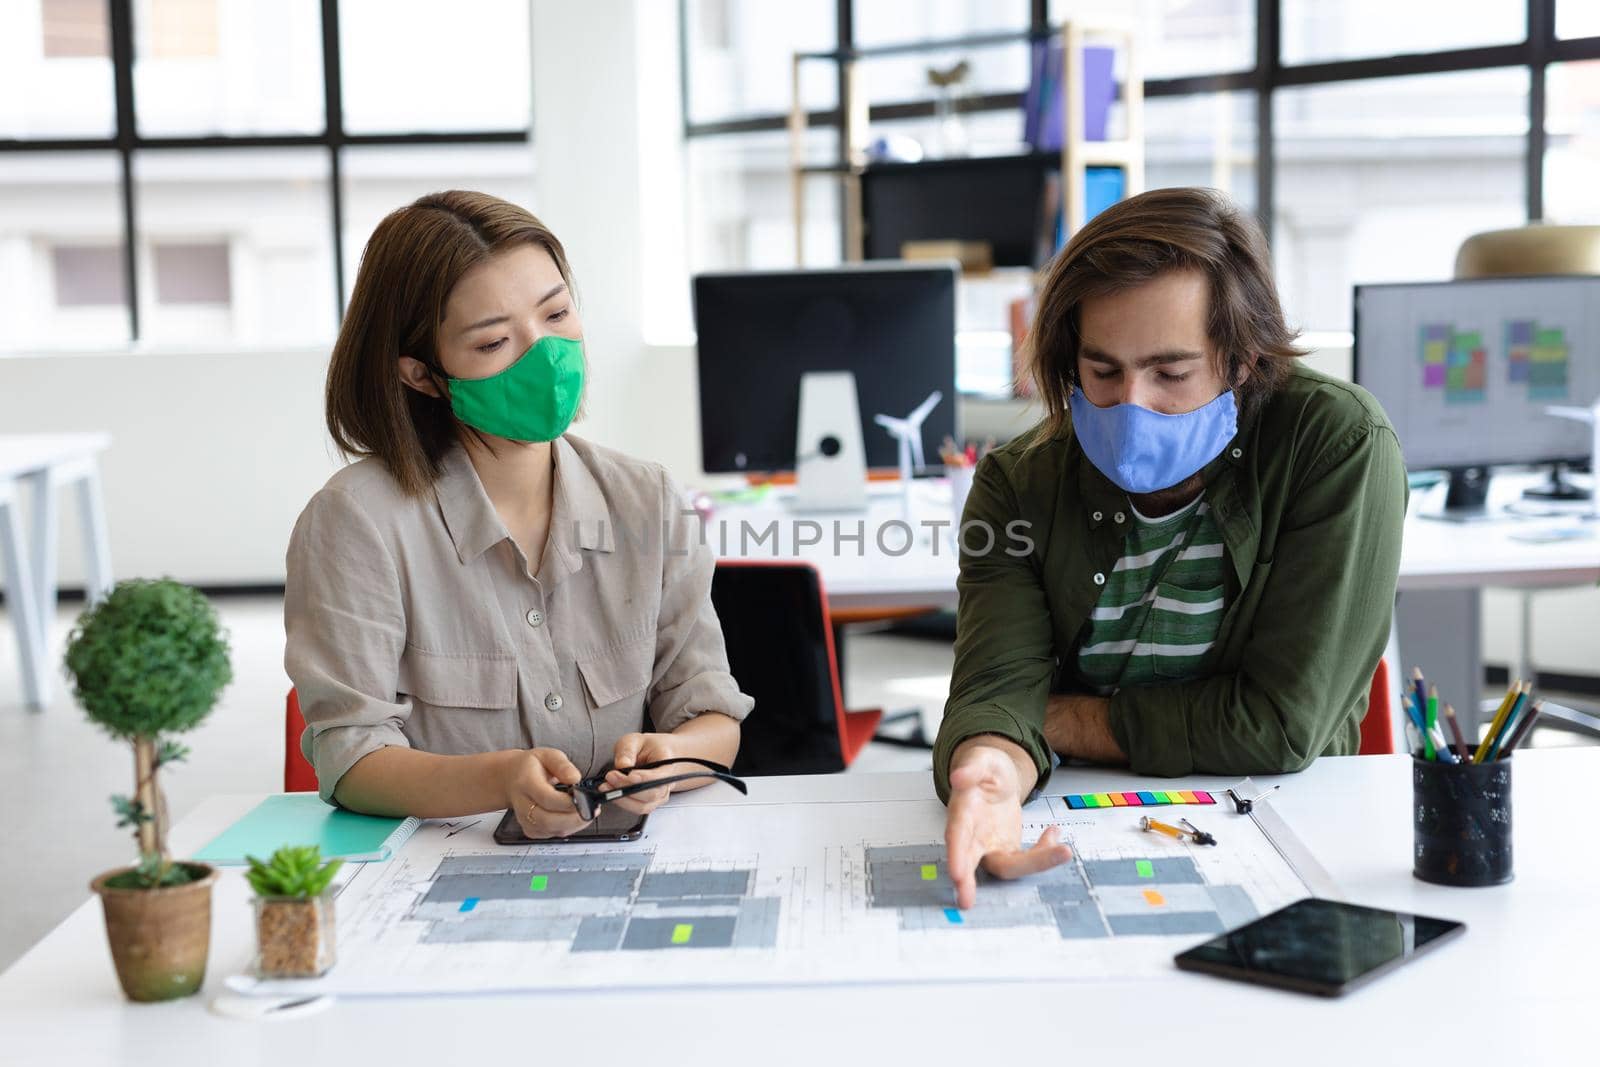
pixel 294 912
pixel 148 661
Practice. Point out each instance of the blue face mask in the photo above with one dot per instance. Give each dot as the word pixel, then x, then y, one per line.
pixel 1143 450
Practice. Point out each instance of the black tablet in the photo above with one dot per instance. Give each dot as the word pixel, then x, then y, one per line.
pixel 1319 946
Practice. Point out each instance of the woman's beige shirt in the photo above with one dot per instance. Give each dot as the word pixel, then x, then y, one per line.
pixel 417 621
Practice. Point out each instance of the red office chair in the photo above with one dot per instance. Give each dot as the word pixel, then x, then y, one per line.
pixel 1377 729
pixel 775 622
pixel 298 775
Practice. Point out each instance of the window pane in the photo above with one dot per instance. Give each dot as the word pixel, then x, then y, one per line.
pixel 1577 18
pixel 1208 139
pixel 1198 37
pixel 379 180
pixel 89 275
pixel 880 22
pixel 989 69
pixel 227 67
pixel 1380 181
pixel 236 246
pixel 55 70
pixel 1315 30
pixel 740 56
pixel 406 68
pixel 741 204
pixel 1572 157
pixel 61 251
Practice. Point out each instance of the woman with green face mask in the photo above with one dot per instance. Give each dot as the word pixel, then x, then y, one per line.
pixel 486 607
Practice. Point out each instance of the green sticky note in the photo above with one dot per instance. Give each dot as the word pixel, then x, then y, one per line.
pixel 1145 868
pixel 681 933
pixel 1090 800
pixel 539 882
pixel 929 872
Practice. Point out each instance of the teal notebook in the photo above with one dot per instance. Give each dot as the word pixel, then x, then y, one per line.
pixel 305 819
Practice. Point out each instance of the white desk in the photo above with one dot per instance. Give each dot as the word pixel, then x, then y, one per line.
pixel 1528 954
pixel 1443 565
pixel 46 463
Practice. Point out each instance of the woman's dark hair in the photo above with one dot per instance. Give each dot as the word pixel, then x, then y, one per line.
pixel 1142 237
pixel 411 263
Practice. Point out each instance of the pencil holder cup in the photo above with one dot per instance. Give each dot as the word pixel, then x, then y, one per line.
pixel 1461 822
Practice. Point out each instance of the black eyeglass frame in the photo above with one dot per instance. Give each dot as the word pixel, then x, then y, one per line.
pixel 592 793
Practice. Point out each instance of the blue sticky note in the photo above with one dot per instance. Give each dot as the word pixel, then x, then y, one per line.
pixel 1148 797
pixel 469 903
pixel 1075 800
pixel 953 914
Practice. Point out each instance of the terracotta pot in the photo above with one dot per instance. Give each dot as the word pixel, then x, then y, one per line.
pixel 159 937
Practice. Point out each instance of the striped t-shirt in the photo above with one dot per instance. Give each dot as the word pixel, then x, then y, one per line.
pixel 1162 604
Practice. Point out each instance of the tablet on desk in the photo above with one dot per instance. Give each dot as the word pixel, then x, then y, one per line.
pixel 1319 946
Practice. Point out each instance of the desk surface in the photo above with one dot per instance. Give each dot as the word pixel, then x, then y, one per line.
pixel 1434 554
pixel 28 452
pixel 1529 952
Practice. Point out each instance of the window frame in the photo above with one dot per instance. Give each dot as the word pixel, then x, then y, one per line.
pixel 1538 49
pixel 126 141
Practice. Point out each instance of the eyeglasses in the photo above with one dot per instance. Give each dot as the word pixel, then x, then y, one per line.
pixel 590 794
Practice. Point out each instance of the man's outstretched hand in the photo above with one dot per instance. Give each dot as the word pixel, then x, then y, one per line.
pixel 984 820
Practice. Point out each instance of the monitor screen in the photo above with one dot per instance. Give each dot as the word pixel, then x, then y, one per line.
pixel 1465 369
pixel 892 325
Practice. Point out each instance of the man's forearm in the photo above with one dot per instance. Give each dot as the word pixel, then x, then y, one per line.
pixel 1080 726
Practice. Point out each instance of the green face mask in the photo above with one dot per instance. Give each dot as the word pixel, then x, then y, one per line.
pixel 534 399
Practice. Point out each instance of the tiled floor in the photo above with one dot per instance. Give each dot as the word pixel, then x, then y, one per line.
pixel 57 771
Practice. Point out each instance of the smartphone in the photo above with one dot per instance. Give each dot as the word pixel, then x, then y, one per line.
pixel 1320 946
pixel 614 824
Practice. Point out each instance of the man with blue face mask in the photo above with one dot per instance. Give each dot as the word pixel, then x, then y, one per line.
pixel 1189 565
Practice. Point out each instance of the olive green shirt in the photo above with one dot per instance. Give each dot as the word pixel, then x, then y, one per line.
pixel 1310 497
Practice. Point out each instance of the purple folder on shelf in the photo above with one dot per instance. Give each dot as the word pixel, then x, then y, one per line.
pixel 1042 119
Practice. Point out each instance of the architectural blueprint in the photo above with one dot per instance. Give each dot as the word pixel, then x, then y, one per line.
pixel 791 893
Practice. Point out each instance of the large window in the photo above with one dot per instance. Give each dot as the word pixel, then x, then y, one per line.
pixel 1370 137
pixel 203 172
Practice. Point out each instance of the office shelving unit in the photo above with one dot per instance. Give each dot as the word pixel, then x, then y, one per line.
pixel 1077 154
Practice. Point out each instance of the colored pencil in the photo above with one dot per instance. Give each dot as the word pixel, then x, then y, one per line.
pixel 1520 734
pixel 1440 749
pixel 1516 710
pixel 1455 732
pixel 1498 721
pixel 1421 688
pixel 1430 720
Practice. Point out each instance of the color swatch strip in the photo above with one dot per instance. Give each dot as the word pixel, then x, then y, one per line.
pixel 1143 798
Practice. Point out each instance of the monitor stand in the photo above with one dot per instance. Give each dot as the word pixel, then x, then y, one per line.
pixel 1466 497
pixel 1557 488
pixel 830 459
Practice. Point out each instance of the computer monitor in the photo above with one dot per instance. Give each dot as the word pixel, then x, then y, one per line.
pixel 893 325
pixel 1465 369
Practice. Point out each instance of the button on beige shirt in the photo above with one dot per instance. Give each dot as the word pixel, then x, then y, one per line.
pixel 417 621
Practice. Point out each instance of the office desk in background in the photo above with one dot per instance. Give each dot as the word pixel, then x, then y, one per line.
pixel 1518 988
pixel 44 464
pixel 1444 566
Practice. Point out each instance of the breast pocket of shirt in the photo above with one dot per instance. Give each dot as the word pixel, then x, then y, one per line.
pixel 460 703
pixel 614 682
pixel 1183 629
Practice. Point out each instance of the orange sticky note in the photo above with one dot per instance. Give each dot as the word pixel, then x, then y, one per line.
pixel 1154 899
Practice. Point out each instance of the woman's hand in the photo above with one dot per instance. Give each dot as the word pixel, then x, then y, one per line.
pixel 984 820
pixel 530 788
pixel 632 750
